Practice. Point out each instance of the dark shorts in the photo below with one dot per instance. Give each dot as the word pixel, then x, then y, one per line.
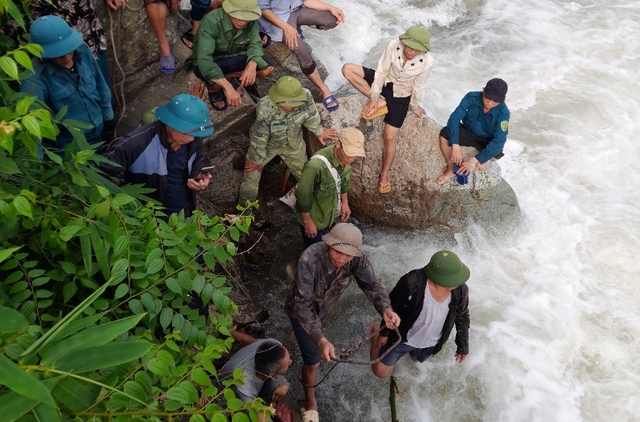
pixel 229 65
pixel 308 348
pixel 154 1
pixel 398 106
pixel 199 9
pixel 308 241
pixel 468 139
pixel 394 356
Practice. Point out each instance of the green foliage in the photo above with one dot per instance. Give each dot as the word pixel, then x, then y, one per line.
pixel 96 309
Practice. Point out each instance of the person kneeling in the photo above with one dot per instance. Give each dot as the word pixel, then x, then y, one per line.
pixel 428 301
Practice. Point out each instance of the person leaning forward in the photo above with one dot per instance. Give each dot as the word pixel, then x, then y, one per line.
pixel 320 196
pixel 429 301
pixel 394 87
pixel 228 46
pixel 277 131
pixel 325 270
pixel 481 120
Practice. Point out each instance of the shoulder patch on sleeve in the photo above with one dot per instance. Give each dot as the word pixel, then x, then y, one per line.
pixel 504 125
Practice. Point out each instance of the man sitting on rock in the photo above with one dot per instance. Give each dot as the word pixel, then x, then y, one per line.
pixel 228 46
pixel 277 131
pixel 166 155
pixel 480 121
pixel 429 301
pixel 322 189
pixel 281 21
pixel 262 363
pixel 325 270
pixel 400 78
pixel 68 76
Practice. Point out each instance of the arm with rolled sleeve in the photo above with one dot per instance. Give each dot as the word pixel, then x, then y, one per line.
pixel 383 69
pixel 462 322
pixel 255 51
pixel 418 87
pixel 303 298
pixel 497 140
pixel 456 117
pixel 371 286
pixel 207 34
pixel 313 122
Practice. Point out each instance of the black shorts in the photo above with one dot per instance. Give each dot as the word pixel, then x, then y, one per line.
pixel 398 106
pixel 308 348
pixel 468 139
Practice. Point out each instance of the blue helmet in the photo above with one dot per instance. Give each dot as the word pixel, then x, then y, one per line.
pixel 55 36
pixel 186 114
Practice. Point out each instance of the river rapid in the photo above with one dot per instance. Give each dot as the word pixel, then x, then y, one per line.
pixel 555 304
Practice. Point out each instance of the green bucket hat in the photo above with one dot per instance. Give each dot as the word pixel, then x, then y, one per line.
pixel 417 38
pixel 186 114
pixel 288 92
pixel 55 36
pixel 245 10
pixel 445 269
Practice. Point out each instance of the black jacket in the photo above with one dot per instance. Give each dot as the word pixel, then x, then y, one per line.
pixel 407 299
pixel 143 156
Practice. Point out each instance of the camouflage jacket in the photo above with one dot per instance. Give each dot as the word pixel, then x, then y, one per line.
pixel 274 128
pixel 317 287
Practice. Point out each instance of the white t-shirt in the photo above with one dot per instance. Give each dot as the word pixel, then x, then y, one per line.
pixel 427 329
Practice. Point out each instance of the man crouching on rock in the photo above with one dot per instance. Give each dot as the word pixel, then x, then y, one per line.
pixel 430 301
pixel 325 270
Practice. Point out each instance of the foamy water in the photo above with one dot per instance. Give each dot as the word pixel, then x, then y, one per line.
pixel 555 306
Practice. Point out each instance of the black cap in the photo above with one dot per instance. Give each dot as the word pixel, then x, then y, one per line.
pixel 496 90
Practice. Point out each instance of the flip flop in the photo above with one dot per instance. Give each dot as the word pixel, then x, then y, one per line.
pixel 216 97
pixel 310 416
pixel 384 188
pixel 379 112
pixel 168 63
pixel 331 99
pixel 188 37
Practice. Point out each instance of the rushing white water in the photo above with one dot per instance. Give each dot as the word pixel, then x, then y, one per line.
pixel 555 306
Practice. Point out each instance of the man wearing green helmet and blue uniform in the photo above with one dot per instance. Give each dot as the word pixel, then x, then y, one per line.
pixel 68 76
pixel 166 155
pixel 277 131
pixel 429 301
pixel 394 87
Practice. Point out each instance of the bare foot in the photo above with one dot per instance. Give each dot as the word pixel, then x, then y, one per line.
pixel 481 167
pixel 444 177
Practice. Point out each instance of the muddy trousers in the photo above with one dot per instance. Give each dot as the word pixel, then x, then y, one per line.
pixel 293 158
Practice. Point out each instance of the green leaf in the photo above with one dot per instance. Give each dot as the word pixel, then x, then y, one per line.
pixel 22 206
pixel 85 247
pixel 32 125
pixel 12 320
pixel 158 368
pixel 165 317
pixel 121 290
pixel 15 405
pixel 122 242
pixel 98 246
pixel 218 417
pixel 6 253
pixel 10 67
pixel 200 377
pixel 136 390
pixel 68 291
pixel 23 59
pixel 90 337
pixel 197 418
pixel 74 394
pixel 104 356
pixel 166 358
pixel 8 166
pixel 179 395
pixel 234 233
pixel 240 417
pixel 44 412
pixel 136 306
pixel 155 266
pixel 122 199
pixel 70 230
pixel 173 285
pixel 18 380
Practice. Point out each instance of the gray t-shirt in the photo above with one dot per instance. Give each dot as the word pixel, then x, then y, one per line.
pixel 245 359
pixel 427 329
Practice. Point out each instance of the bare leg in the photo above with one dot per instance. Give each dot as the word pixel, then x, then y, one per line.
pixel 446 153
pixel 379 369
pixel 157 13
pixel 317 81
pixel 310 377
pixel 389 152
pixel 355 75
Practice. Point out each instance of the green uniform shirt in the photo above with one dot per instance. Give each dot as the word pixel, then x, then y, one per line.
pixel 274 128
pixel 216 40
pixel 316 193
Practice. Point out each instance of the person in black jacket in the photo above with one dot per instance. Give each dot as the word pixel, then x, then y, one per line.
pixel 429 301
pixel 166 155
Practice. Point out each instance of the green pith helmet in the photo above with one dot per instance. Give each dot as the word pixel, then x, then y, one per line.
pixel 445 269
pixel 288 92
pixel 417 38
pixel 55 36
pixel 186 114
pixel 245 10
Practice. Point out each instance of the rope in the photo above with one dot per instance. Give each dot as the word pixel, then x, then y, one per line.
pixel 345 354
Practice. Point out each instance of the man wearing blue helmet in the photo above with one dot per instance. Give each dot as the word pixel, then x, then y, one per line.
pixel 68 75
pixel 166 155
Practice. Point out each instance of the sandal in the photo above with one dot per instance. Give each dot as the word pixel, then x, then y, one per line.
pixel 187 39
pixel 310 416
pixel 331 100
pixel 217 97
pixel 379 112
pixel 168 63
pixel 384 188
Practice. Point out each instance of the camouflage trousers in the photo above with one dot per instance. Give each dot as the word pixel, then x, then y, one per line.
pixel 293 158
